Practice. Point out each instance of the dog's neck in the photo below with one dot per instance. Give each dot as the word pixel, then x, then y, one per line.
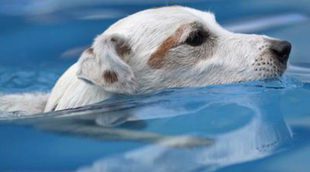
pixel 71 92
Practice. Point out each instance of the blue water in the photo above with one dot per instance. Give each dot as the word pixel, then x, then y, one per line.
pixel 256 126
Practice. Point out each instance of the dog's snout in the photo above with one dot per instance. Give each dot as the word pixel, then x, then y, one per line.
pixel 281 49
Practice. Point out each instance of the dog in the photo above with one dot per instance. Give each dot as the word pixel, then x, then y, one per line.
pixel 155 49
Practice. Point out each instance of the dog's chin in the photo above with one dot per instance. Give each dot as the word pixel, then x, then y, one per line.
pixel 272 76
pixel 266 74
pixel 268 67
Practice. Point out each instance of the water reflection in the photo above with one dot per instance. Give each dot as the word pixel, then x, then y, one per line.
pixel 261 135
pixel 186 129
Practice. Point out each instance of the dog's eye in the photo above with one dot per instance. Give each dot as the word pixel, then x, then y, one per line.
pixel 196 38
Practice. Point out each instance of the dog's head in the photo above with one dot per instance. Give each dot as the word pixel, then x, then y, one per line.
pixel 178 47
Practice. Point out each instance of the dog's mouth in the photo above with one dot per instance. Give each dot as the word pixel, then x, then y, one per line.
pixel 270 67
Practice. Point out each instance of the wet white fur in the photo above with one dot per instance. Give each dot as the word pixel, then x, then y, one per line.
pixel 232 60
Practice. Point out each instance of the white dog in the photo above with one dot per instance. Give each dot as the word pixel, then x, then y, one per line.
pixel 156 49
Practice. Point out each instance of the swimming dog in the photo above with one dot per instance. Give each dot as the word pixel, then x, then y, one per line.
pixel 155 49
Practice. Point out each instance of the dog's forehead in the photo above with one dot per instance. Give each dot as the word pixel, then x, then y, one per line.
pixel 163 18
pixel 154 25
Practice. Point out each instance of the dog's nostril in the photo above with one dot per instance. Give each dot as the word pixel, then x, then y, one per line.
pixel 281 49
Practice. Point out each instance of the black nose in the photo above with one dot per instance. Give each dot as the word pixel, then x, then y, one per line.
pixel 281 49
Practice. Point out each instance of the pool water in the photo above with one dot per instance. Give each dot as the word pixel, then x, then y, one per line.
pixel 254 126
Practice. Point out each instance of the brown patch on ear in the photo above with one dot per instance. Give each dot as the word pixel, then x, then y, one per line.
pixel 121 47
pixel 90 51
pixel 110 76
pixel 122 50
pixel 156 60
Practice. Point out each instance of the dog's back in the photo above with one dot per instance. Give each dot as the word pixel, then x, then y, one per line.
pixel 30 103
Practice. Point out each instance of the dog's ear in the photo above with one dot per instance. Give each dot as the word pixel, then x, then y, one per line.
pixel 104 65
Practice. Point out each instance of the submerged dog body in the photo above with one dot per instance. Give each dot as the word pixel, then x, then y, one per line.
pixel 163 48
